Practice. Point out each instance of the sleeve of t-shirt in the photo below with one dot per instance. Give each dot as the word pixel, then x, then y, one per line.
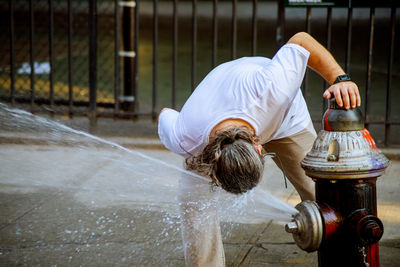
pixel 288 68
pixel 167 131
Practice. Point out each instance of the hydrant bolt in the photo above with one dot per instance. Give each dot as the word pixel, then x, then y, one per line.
pixel 291 227
pixel 372 230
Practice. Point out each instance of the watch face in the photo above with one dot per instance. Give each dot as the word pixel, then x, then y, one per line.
pixel 342 78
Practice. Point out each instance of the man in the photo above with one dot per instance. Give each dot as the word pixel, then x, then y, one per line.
pixel 241 107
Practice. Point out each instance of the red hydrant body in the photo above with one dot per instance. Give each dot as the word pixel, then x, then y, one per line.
pixel 344 163
pixel 347 243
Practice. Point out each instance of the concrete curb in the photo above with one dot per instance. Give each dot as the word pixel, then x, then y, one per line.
pixel 138 142
pixel 392 153
pixel 131 143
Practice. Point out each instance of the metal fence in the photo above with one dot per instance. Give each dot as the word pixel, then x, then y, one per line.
pixel 51 58
pixel 369 119
pixel 88 57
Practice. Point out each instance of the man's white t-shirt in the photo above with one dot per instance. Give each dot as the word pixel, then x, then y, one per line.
pixel 263 92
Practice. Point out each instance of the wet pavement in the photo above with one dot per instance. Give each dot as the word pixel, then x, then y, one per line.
pixel 71 206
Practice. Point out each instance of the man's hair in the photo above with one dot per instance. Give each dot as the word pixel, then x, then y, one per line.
pixel 230 160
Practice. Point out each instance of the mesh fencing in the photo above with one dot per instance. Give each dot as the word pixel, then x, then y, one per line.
pixel 79 57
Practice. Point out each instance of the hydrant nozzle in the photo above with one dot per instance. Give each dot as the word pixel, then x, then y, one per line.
pixel 306 226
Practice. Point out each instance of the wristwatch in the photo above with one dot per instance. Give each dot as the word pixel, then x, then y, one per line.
pixel 342 78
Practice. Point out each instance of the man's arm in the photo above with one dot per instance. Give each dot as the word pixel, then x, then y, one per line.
pixel 321 61
pixel 162 110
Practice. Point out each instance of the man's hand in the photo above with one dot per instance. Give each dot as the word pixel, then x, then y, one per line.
pixel 346 93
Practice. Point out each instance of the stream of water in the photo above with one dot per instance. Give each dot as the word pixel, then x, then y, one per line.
pixel 101 174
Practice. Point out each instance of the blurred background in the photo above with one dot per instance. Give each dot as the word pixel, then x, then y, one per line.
pixel 128 59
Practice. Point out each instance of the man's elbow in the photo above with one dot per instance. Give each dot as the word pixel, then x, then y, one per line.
pixel 162 110
pixel 299 38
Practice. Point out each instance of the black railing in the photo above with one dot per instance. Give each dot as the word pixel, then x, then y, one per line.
pixel 51 103
pixel 388 120
pixel 99 92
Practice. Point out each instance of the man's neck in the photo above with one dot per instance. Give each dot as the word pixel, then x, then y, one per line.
pixel 229 124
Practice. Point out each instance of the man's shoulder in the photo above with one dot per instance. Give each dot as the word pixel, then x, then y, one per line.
pixel 241 67
pixel 256 60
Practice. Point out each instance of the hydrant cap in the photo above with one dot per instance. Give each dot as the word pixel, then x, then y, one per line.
pixel 338 118
pixel 307 226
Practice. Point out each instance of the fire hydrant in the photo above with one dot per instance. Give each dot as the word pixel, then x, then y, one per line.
pixel 342 223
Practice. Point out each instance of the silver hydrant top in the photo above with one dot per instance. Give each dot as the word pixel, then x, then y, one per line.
pixel 344 149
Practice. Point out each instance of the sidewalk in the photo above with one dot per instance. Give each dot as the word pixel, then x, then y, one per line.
pixel 81 206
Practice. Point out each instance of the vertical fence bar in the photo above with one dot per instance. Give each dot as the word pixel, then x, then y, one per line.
pixel 31 53
pixel 328 46
pixel 155 58
pixel 308 29
pixel 348 40
pixel 136 59
pixel 254 29
pixel 92 65
pixel 70 82
pixel 12 53
pixel 280 28
pixel 369 64
pixel 234 29
pixel 117 28
pixel 51 54
pixel 215 33
pixel 174 50
pixel 194 43
pixel 308 20
pixel 128 99
pixel 389 77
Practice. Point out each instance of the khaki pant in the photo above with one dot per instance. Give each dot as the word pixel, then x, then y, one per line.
pixel 201 234
pixel 291 151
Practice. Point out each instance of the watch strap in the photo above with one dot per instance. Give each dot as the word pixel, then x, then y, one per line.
pixel 342 78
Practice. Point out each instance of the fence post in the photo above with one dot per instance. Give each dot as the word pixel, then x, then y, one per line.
pixel 388 113
pixel 155 61
pixel 92 65
pixel 12 53
pixel 280 27
pixel 128 54
pixel 31 53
